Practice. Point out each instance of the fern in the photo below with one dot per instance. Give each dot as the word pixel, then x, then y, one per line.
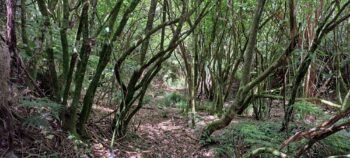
pixel 42 103
pixel 266 134
pixel 44 107
pixel 36 121
pixel 338 143
pixel 226 150
pixel 172 99
pixel 304 108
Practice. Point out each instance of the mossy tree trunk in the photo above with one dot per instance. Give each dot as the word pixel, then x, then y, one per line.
pixel 71 116
pixel 104 59
pixel 44 10
pixel 64 40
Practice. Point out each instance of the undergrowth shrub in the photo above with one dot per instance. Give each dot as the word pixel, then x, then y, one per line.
pixel 44 110
pixel 209 106
pixel 338 143
pixel 304 108
pixel 250 135
pixel 173 99
pixel 147 99
pixel 308 112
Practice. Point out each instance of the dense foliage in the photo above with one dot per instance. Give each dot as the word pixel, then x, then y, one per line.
pixel 91 74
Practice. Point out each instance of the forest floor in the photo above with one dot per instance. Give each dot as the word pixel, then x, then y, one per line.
pixel 155 131
pixel 160 132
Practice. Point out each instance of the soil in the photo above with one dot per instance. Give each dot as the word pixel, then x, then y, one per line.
pixel 157 132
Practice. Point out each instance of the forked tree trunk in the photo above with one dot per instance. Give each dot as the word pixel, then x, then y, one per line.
pixel 126 112
pixel 105 56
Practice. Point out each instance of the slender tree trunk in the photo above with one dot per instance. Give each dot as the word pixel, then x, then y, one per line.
pixel 69 78
pixel 71 120
pixel 64 40
pixel 346 102
pixel 24 27
pixel 105 56
pixel 242 93
pixel 49 50
pixel 53 74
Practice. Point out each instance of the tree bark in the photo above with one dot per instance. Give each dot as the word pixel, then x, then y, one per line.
pixel 242 93
pixel 7 56
pixel 105 56
pixel 11 41
pixel 71 120
pixel 64 40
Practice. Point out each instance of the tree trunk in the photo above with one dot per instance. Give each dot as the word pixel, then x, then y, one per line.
pixel 346 102
pixel 6 63
pixel 105 56
pixel 11 41
pixel 56 96
pixel 64 40
pixel 242 94
pixel 71 120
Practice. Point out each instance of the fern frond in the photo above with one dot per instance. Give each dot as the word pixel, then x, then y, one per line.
pixel 54 107
pixel 37 121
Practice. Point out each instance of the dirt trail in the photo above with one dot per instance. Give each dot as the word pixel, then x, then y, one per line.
pixel 159 132
pixel 164 133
